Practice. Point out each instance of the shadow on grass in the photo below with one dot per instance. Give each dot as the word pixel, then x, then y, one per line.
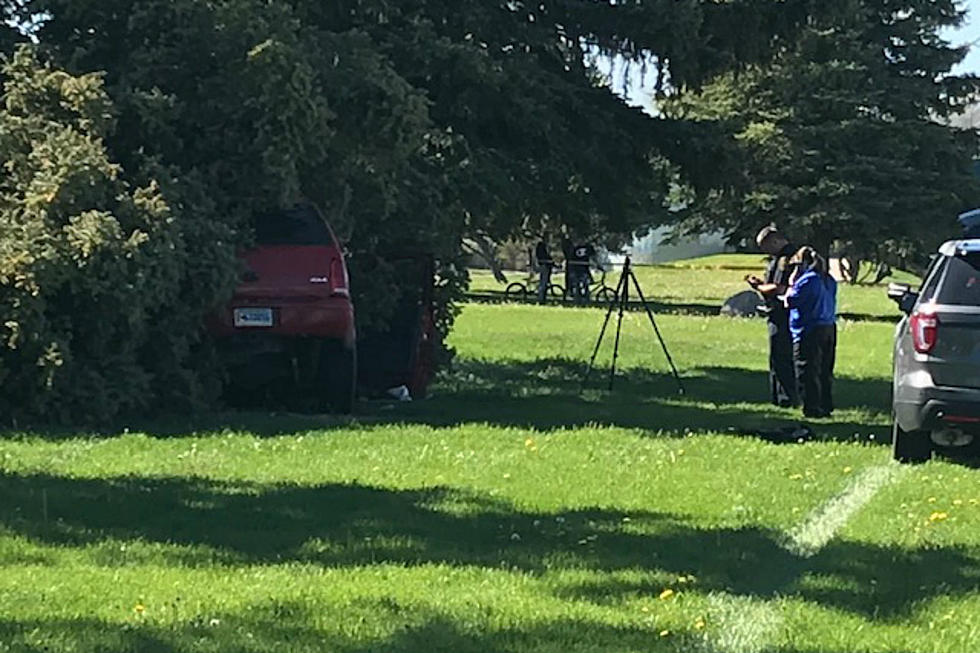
pixel 205 524
pixel 548 393
pixel 667 307
pixel 659 306
pixel 382 625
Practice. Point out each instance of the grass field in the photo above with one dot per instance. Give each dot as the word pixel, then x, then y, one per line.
pixel 700 286
pixel 514 511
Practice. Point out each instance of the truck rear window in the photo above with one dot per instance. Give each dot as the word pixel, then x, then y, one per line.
pixel 301 226
pixel 960 284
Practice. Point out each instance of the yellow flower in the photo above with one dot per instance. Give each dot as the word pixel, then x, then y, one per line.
pixel 139 608
pixel 664 633
pixel 847 470
pixel 938 516
pixel 699 624
pixel 666 594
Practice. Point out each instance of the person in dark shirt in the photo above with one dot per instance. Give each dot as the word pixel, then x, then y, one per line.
pixel 546 264
pixel 782 373
pixel 812 300
pixel 577 273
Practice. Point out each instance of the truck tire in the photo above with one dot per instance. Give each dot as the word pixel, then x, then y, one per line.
pixel 911 447
pixel 337 377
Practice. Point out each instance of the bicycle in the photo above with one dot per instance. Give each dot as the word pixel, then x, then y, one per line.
pixel 594 288
pixel 602 293
pixel 520 291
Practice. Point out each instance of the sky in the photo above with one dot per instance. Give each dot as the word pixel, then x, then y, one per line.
pixel 969 34
pixel 639 89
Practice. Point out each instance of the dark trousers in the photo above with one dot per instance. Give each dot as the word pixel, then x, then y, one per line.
pixel 815 354
pixel 782 376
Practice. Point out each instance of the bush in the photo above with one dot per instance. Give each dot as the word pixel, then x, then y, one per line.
pixel 99 315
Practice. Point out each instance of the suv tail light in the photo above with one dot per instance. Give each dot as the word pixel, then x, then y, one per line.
pixel 338 277
pixel 925 329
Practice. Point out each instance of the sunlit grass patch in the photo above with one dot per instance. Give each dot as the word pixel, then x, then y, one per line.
pixel 517 510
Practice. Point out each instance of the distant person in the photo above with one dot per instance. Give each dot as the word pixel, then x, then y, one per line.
pixel 577 271
pixel 545 263
pixel 812 300
pixel 782 374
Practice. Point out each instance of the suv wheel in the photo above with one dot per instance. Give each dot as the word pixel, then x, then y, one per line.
pixel 337 377
pixel 910 446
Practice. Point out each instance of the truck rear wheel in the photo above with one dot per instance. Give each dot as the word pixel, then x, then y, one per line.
pixel 910 446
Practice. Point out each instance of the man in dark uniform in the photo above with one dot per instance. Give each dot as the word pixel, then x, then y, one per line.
pixel 782 377
pixel 542 254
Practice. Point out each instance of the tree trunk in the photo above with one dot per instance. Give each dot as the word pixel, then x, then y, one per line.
pixel 481 246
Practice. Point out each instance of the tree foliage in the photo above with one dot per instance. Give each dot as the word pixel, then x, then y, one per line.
pixel 412 125
pixel 843 137
pixel 91 267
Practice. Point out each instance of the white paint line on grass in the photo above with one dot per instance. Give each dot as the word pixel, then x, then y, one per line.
pixel 741 624
pixel 807 539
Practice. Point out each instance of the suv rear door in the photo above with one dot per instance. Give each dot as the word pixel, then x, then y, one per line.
pixel 295 258
pixel 954 301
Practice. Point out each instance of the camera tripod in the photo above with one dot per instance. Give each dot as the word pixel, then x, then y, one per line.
pixel 621 301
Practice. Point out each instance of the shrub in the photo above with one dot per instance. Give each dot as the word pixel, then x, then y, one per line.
pixel 99 317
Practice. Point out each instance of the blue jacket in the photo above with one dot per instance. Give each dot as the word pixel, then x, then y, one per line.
pixel 813 302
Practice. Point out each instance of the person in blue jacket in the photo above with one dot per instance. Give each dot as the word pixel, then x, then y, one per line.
pixel 812 301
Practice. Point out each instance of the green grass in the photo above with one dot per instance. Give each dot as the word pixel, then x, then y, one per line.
pixel 513 511
pixel 700 286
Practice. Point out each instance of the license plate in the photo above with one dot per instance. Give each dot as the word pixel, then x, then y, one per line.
pixel 253 317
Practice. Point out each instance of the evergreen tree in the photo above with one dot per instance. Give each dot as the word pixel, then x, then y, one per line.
pixel 411 124
pixel 844 136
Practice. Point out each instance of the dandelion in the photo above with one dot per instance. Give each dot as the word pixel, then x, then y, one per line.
pixel 530 445
pixel 139 609
pixel 699 624
pixel 847 470
pixel 664 633
pixel 938 516
pixel 666 594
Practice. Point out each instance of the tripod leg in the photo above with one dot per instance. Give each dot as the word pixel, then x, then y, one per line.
pixel 623 297
pixel 602 333
pixel 656 329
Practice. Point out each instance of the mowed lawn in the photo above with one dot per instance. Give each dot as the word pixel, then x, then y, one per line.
pixel 514 511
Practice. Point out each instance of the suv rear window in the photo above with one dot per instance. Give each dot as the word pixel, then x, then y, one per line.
pixel 960 284
pixel 301 226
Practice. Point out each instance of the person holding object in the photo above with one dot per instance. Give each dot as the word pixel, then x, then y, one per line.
pixel 782 375
pixel 812 300
pixel 545 264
